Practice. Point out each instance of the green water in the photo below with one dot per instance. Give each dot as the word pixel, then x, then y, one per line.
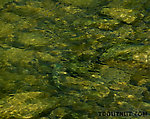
pixel 73 59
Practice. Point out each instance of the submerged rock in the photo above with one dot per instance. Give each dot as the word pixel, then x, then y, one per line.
pixel 6 29
pixel 125 15
pixel 65 59
pixel 30 39
pixel 114 74
pixel 26 105
pixel 90 90
pixel 83 3
pixel 3 2
pixel 127 52
pixel 16 56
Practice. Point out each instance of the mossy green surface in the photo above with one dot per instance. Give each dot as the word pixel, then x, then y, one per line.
pixel 71 59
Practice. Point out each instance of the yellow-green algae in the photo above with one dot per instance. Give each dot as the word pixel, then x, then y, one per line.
pixel 71 59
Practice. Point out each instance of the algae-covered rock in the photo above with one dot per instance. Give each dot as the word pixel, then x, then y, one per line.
pixel 131 59
pixel 46 57
pixel 3 2
pixel 72 59
pixel 77 103
pixel 30 39
pixel 126 33
pixel 6 29
pixel 107 24
pixel 59 112
pixel 134 4
pixel 127 95
pixel 143 55
pixel 140 79
pixel 25 24
pixel 81 3
pixel 124 52
pixel 30 10
pixel 15 82
pixel 90 90
pixel 112 74
pixel 10 17
pixel 104 24
pixel 19 57
pixel 125 15
pixel 26 105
